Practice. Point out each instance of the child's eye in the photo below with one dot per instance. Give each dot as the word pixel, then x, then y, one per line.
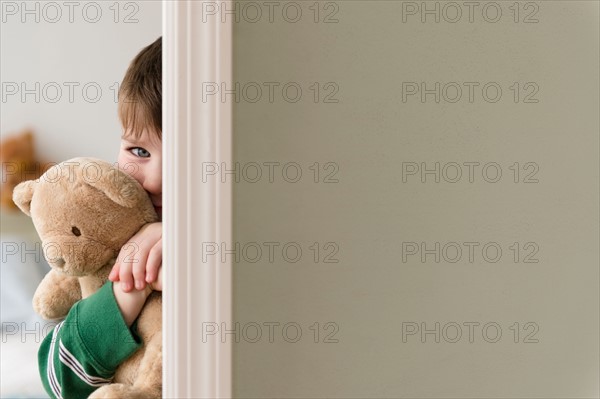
pixel 139 152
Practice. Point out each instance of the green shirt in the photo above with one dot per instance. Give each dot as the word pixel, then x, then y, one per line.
pixel 83 351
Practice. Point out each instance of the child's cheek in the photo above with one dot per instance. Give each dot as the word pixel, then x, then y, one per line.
pixel 129 166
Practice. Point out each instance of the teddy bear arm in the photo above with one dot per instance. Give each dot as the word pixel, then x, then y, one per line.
pixel 139 377
pixel 55 295
pixel 149 376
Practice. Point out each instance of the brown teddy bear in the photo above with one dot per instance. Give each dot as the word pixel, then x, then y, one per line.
pixel 84 211
pixel 19 163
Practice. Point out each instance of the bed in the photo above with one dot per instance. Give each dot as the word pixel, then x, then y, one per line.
pixel 22 268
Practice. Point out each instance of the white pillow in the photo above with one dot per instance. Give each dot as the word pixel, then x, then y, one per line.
pixel 22 267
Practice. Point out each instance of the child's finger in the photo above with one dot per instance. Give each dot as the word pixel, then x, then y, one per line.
pixel 124 264
pixel 139 269
pixel 157 285
pixel 154 262
pixel 114 273
pixel 126 277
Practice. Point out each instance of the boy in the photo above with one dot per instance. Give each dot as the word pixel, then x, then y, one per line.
pixel 72 366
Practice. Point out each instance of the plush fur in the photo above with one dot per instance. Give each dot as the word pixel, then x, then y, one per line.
pixel 85 210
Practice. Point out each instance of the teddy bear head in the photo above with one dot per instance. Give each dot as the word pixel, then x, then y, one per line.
pixel 84 211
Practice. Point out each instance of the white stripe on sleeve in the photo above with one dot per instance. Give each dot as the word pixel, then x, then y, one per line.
pixel 71 362
pixel 52 380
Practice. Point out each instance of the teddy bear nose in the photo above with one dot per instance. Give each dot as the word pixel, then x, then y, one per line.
pixel 59 262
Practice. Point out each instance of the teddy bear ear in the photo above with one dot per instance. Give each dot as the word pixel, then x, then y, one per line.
pixel 119 187
pixel 22 195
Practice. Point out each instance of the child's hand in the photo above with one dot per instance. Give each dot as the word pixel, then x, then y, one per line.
pixel 157 285
pixel 140 259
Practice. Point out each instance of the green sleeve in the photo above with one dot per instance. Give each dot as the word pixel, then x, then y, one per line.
pixel 83 351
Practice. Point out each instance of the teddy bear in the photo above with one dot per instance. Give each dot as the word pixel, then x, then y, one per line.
pixel 84 211
pixel 19 163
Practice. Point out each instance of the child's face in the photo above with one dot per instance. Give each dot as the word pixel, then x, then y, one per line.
pixel 142 159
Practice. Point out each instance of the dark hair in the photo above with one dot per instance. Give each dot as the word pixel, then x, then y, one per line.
pixel 140 94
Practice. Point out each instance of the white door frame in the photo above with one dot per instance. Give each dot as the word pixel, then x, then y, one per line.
pixel 197 132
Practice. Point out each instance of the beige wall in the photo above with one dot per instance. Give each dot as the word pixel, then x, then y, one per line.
pixel 370 135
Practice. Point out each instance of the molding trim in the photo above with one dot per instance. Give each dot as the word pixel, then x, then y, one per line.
pixel 197 295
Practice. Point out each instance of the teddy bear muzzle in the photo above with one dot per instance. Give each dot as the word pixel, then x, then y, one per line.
pixel 76 259
pixel 58 263
pixel 53 254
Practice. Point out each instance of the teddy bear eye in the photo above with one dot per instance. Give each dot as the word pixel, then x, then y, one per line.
pixel 76 231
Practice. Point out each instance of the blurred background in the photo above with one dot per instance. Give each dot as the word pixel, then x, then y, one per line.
pixel 61 66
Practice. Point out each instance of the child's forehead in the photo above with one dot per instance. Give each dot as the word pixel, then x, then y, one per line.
pixel 143 136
